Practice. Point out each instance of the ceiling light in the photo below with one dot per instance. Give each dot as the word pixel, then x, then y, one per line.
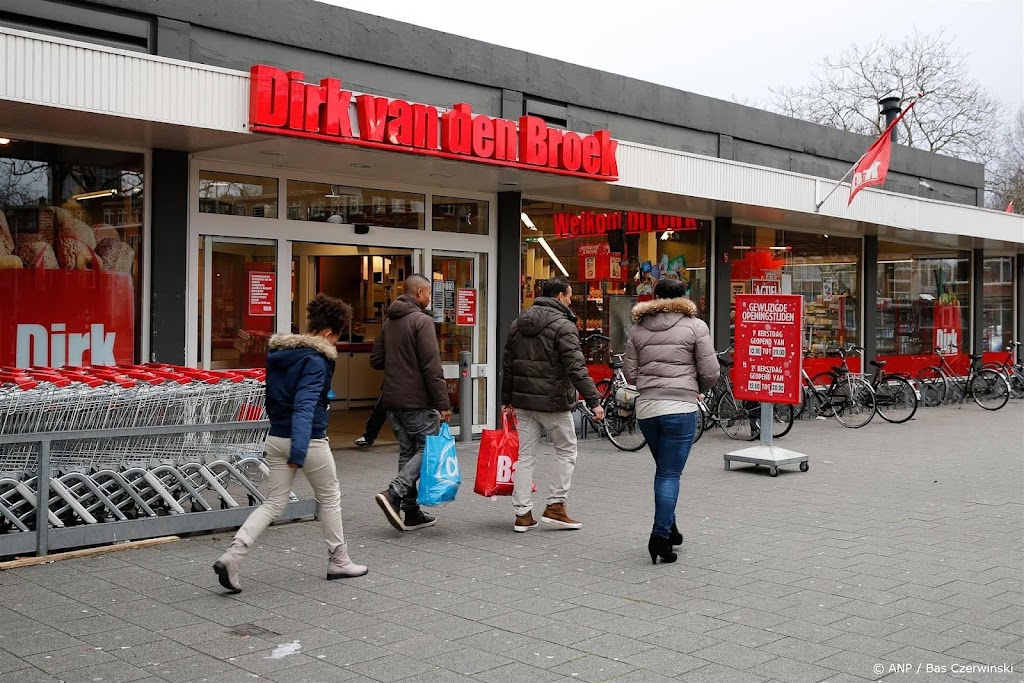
pixel 543 242
pixel 665 235
pixel 219 183
pixel 94 195
pixel 825 236
pixel 5 141
pixel 924 183
pixel 527 222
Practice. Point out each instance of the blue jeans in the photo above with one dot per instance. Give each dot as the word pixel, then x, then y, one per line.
pixel 669 438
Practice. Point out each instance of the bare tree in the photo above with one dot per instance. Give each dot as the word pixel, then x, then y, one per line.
pixel 1006 172
pixel 957 117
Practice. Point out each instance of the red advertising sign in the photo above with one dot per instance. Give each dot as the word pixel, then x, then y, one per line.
pixel 947 329
pixel 66 317
pixel 465 307
pixel 588 223
pixel 769 349
pixel 764 287
pixel 261 293
pixel 281 103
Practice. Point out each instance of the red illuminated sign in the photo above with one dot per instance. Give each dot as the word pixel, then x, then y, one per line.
pixel 587 223
pixel 764 286
pixel 769 350
pixel 280 102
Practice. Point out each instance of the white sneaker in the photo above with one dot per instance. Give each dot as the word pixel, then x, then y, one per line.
pixel 361 441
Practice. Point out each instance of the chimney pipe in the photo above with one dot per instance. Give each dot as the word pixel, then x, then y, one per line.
pixel 890 109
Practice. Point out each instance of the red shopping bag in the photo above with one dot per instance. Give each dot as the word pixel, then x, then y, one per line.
pixel 496 461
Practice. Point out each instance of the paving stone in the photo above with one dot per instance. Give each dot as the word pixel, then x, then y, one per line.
pixel 57 661
pixel 664 662
pixel 517 673
pixel 718 673
pixel 469 661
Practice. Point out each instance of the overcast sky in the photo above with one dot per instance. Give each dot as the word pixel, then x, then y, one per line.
pixel 730 49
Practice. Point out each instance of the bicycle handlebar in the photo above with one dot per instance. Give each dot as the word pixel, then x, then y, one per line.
pixel 595 337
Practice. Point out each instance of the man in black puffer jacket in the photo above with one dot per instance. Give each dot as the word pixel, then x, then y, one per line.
pixel 542 370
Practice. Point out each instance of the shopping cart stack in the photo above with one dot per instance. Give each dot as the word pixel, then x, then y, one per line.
pixel 110 477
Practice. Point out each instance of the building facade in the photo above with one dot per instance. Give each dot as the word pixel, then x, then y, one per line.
pixel 178 181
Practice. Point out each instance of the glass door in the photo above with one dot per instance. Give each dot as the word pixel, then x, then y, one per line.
pixel 237 301
pixel 459 305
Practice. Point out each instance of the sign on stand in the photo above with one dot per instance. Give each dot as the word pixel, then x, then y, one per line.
pixel 768 357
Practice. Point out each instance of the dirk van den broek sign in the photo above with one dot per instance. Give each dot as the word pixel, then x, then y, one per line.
pixel 281 103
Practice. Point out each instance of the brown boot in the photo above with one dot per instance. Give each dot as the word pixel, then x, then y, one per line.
pixel 524 522
pixel 555 515
pixel 228 565
pixel 341 566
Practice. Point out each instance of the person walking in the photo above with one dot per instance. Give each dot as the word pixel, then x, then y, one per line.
pixel 415 396
pixel 374 423
pixel 299 371
pixel 542 370
pixel 670 359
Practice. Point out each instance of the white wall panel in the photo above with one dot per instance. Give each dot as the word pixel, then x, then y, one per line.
pixel 53 72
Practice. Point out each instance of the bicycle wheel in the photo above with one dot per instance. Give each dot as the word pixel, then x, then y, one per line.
pixel 933 386
pixel 895 399
pixel 821 383
pixel 699 428
pixel 989 389
pixel 735 418
pixel 623 430
pixel 783 416
pixel 854 402
pixel 1016 382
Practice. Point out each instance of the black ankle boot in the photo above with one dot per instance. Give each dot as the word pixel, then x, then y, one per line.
pixel 659 546
pixel 675 537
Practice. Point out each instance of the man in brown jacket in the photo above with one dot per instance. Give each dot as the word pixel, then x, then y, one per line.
pixel 414 394
pixel 542 370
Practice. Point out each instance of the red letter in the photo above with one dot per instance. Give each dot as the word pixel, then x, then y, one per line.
pixel 424 126
pixel 334 117
pixel 372 112
pixel 400 125
pixel 483 137
pixel 572 152
pixel 561 221
pixel 456 129
pixel 315 97
pixel 533 148
pixel 591 155
pixel 505 140
pixel 554 142
pixel 296 100
pixel 268 96
pixel 609 165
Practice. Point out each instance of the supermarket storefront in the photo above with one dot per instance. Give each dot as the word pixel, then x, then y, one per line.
pixel 252 190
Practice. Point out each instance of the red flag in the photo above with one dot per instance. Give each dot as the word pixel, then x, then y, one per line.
pixel 874 165
pixel 1009 207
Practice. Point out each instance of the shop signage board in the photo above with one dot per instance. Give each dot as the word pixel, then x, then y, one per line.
pixel 465 307
pixel 449 299
pixel 261 293
pixel 764 287
pixel 437 301
pixel 769 347
pixel 589 223
pixel 282 103
pixel 947 329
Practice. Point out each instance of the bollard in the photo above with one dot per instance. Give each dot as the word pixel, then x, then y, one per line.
pixel 465 397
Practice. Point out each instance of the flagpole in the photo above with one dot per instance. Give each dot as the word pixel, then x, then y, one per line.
pixel 817 207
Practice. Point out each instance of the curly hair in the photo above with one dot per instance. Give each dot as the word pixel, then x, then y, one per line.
pixel 327 313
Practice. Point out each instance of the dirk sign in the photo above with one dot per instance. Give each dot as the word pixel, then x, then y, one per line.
pixel 465 307
pixel 768 352
pixel 282 103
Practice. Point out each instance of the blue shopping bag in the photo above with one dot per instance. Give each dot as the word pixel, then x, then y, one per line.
pixel 439 472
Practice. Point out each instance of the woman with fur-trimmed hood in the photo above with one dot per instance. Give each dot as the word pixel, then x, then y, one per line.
pixel 299 372
pixel 671 360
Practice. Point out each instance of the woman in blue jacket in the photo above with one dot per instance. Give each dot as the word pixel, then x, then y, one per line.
pixel 299 370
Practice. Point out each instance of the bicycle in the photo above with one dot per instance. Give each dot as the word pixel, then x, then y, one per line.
pixel 896 397
pixel 618 398
pixel 838 393
pixel 988 388
pixel 1012 371
pixel 739 419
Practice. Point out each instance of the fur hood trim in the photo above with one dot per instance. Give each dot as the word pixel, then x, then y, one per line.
pixel 280 342
pixel 680 305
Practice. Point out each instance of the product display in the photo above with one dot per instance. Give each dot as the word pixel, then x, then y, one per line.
pixel 74 254
pixel 6 241
pixel 69 227
pixel 115 255
pixel 10 262
pixel 37 254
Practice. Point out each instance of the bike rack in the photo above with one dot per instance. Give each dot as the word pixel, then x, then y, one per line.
pixel 78 502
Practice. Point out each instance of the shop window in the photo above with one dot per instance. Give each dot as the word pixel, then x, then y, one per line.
pixel 821 268
pixel 998 302
pixel 234 194
pixel 612 259
pixel 924 301
pixel 466 216
pixel 326 203
pixel 70 255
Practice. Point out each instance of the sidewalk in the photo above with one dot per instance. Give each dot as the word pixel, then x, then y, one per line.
pixel 901 546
